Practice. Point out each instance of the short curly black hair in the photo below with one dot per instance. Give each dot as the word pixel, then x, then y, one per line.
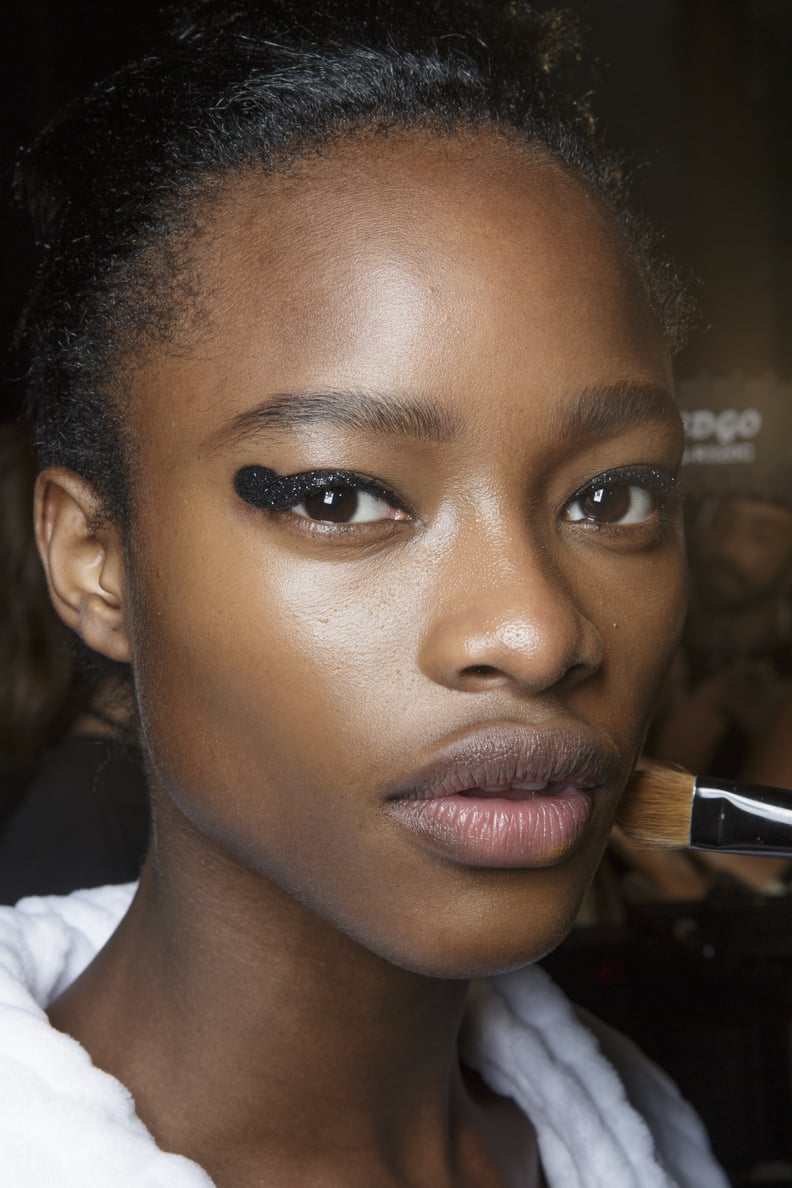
pixel 240 86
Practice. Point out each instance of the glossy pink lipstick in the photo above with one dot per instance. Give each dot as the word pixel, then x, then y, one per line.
pixel 506 797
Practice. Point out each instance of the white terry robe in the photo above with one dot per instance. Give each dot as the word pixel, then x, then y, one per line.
pixel 66 1124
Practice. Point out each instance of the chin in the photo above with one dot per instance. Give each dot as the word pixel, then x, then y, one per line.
pixel 486 959
pixel 488 941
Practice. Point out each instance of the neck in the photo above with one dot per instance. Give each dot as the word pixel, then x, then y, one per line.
pixel 257 1036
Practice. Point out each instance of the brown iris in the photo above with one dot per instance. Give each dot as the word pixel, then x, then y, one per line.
pixel 337 505
pixel 606 504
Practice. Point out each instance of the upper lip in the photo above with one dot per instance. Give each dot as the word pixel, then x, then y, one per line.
pixel 510 754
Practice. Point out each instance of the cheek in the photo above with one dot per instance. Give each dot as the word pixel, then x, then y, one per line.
pixel 265 676
pixel 642 613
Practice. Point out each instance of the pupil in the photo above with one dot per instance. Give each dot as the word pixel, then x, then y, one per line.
pixel 608 503
pixel 335 505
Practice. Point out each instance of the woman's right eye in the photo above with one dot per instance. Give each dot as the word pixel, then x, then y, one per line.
pixel 347 505
pixel 319 496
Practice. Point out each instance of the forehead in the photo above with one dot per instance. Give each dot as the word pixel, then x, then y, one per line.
pixel 411 258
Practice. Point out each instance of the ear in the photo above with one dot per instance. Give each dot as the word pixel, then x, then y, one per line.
pixel 84 563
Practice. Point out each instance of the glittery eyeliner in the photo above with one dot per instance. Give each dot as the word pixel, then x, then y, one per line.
pixel 661 482
pixel 270 491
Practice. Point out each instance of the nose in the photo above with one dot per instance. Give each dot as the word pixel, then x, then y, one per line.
pixel 508 621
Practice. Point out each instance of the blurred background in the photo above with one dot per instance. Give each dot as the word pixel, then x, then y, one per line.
pixel 693 958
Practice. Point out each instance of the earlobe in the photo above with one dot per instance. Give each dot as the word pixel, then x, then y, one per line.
pixel 84 563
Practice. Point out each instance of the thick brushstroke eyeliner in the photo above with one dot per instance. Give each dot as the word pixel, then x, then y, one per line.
pixel 266 489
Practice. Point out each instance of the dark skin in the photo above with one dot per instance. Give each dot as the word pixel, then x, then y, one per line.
pixel 293 971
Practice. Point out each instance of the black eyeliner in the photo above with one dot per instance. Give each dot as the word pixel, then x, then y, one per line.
pixel 663 482
pixel 266 489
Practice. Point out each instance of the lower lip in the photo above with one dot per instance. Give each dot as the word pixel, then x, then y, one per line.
pixel 495 831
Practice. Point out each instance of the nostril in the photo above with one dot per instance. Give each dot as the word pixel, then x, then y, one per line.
pixel 481 670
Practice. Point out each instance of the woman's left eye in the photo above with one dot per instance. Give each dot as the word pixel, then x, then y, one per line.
pixel 346 505
pixel 613 503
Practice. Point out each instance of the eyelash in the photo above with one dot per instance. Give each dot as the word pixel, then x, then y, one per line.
pixel 663 485
pixel 265 489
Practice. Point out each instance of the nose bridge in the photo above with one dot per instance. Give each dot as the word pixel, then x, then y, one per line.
pixel 502 608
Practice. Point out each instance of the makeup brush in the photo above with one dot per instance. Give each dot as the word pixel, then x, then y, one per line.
pixel 668 808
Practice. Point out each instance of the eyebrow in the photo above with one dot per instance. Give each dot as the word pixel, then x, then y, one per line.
pixel 378 412
pixel 596 412
pixel 606 410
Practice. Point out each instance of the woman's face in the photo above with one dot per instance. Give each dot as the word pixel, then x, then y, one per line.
pixel 411 698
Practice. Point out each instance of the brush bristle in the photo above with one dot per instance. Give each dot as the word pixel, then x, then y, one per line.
pixel 656 805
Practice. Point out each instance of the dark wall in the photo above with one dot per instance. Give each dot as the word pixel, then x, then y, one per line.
pixel 699 89
pixel 53 50
pixel 695 90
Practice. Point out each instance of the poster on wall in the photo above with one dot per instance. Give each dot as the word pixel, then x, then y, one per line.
pixel 738 436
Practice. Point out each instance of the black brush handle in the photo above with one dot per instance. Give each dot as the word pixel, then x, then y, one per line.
pixel 741 819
